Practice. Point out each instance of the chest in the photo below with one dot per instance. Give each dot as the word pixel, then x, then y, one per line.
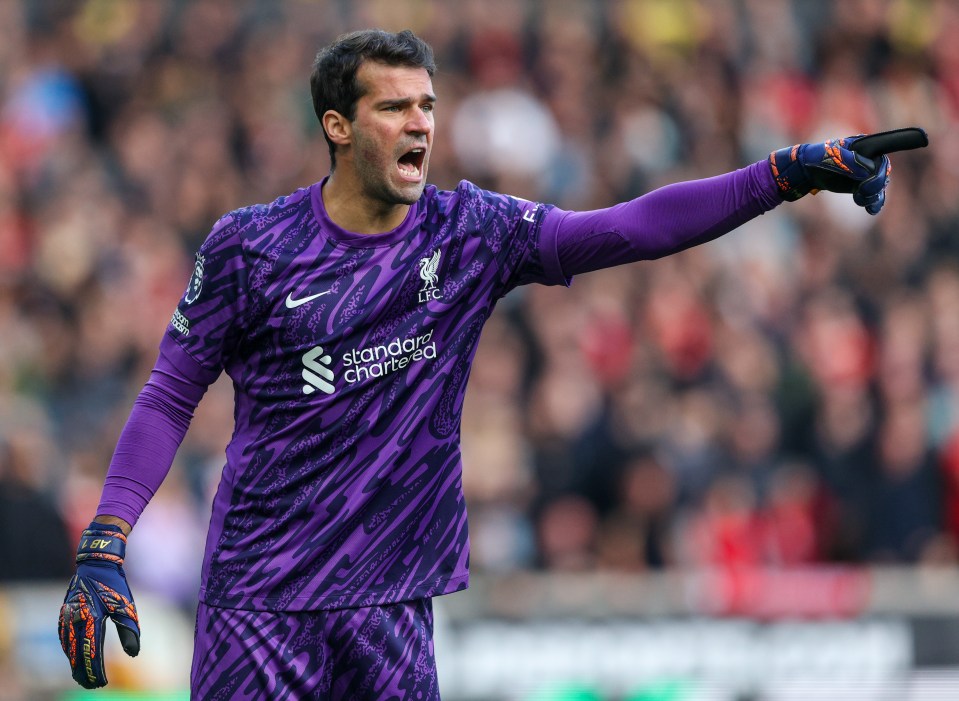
pixel 339 315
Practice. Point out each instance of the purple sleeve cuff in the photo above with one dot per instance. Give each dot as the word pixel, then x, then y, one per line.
pixel 549 248
pixel 176 361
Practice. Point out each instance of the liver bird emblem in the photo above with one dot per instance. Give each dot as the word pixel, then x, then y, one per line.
pixel 428 267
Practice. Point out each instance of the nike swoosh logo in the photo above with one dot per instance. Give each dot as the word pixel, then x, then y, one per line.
pixel 294 303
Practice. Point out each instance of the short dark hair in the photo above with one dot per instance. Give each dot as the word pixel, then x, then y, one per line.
pixel 333 81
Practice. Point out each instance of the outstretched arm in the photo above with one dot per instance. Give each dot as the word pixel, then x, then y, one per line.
pixel 664 221
pixel 686 214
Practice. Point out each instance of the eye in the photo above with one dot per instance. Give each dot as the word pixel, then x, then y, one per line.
pixel 428 107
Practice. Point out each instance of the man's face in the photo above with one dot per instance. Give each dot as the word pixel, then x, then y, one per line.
pixel 392 133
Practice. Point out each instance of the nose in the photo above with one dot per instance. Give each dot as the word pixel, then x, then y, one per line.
pixel 419 123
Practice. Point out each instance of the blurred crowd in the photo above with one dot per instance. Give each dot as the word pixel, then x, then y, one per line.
pixel 785 396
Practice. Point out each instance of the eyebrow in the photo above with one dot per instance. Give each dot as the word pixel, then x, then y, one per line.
pixel 403 101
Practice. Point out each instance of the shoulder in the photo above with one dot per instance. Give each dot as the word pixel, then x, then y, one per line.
pixel 472 192
pixel 256 227
pixel 260 217
pixel 464 190
pixel 466 197
pixel 491 206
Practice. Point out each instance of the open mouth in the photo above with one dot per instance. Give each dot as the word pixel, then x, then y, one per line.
pixel 410 163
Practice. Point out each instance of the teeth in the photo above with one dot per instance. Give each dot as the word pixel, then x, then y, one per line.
pixel 411 169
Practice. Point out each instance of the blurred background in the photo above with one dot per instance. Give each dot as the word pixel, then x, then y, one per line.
pixel 731 474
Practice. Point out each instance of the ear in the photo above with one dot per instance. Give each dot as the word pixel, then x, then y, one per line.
pixel 337 127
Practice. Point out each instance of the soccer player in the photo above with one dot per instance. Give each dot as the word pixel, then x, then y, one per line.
pixel 347 315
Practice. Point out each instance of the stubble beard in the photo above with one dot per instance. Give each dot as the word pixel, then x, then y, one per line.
pixel 375 174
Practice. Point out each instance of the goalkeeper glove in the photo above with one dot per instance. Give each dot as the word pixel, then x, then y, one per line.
pixel 834 166
pixel 98 591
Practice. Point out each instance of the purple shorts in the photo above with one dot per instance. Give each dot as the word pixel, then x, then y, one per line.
pixel 380 652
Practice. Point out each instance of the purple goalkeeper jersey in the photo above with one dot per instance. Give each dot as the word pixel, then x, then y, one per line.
pixel 349 356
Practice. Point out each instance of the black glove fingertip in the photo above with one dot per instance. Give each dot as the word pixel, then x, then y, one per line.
pixel 129 640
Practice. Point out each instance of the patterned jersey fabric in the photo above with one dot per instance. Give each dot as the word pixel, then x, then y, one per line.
pixel 349 355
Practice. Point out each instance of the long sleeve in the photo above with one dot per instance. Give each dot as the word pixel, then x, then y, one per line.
pixel 154 430
pixel 664 221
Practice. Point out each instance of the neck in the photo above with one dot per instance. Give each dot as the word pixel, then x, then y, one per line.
pixel 350 208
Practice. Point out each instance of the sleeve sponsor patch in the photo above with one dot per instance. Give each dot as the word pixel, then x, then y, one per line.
pixel 180 322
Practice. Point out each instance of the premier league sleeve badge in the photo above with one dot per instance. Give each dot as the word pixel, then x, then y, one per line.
pixel 196 281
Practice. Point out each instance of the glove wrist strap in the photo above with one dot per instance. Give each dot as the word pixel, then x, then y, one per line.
pixel 791 177
pixel 102 542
